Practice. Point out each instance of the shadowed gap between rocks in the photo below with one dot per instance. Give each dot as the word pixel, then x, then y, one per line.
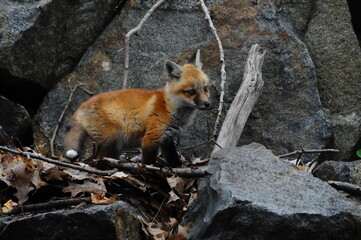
pixel 29 95
pixel 355 9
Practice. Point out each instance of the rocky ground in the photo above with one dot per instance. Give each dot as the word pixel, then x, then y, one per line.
pixel 310 100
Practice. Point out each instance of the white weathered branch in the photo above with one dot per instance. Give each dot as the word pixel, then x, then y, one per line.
pixel 223 67
pixel 244 100
pixel 130 33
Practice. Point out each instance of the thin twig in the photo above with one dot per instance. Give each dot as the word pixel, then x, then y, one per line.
pixel 59 163
pixel 303 151
pixel 130 33
pixel 223 67
pixel 72 90
pixel 194 146
pixel 48 205
pixel 160 207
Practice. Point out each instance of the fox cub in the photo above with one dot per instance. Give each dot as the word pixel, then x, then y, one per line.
pixel 149 118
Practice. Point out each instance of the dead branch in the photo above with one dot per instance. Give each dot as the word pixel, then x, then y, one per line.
pixel 223 67
pixel 307 151
pixel 72 90
pixel 59 163
pixel 49 205
pixel 181 172
pixel 244 100
pixel 346 187
pixel 130 33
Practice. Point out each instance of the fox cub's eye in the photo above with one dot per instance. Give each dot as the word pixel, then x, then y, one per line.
pixel 205 88
pixel 191 92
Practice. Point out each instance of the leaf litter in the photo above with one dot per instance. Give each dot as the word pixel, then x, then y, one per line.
pixel 161 200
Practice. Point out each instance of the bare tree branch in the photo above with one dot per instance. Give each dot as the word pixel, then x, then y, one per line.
pixel 223 68
pixel 347 187
pixel 182 172
pixel 59 163
pixel 130 33
pixel 244 100
pixel 49 205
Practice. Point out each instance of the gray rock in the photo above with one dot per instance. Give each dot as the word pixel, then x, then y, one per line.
pixel 340 171
pixel 41 41
pixel 14 119
pixel 252 194
pixel 288 114
pixel 115 221
pixel 336 54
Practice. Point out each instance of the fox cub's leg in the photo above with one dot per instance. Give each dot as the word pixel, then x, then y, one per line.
pixel 112 147
pixel 169 152
pixel 150 146
pixel 74 139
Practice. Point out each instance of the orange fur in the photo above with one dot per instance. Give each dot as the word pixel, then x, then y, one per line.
pixel 150 118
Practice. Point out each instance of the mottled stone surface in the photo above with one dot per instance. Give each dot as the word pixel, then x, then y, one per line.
pixel 41 41
pixel 114 221
pixel 252 194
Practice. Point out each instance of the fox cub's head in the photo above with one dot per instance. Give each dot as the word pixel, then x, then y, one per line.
pixel 188 85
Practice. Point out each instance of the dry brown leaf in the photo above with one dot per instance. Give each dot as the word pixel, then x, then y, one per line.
pixel 200 161
pixel 53 174
pixel 182 232
pixel 77 175
pixel 156 232
pixel 192 198
pixel 22 173
pixel 102 199
pixel 36 180
pixel 119 175
pixel 172 197
pixel 8 206
pixel 177 183
pixel 21 180
pixel 300 167
pixel 87 186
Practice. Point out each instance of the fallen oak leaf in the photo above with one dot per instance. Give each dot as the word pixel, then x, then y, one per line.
pixel 8 206
pixel 119 175
pixel 77 175
pixel 100 198
pixel 87 186
pixel 21 180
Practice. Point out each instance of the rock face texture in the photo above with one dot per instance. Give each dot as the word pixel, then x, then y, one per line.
pixel 41 41
pixel 340 171
pixel 337 62
pixel 115 221
pixel 289 111
pixel 325 27
pixel 252 194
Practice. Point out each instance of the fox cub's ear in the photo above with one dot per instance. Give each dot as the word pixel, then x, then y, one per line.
pixel 196 60
pixel 173 69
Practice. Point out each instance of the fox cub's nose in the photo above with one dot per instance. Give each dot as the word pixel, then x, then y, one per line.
pixel 207 104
